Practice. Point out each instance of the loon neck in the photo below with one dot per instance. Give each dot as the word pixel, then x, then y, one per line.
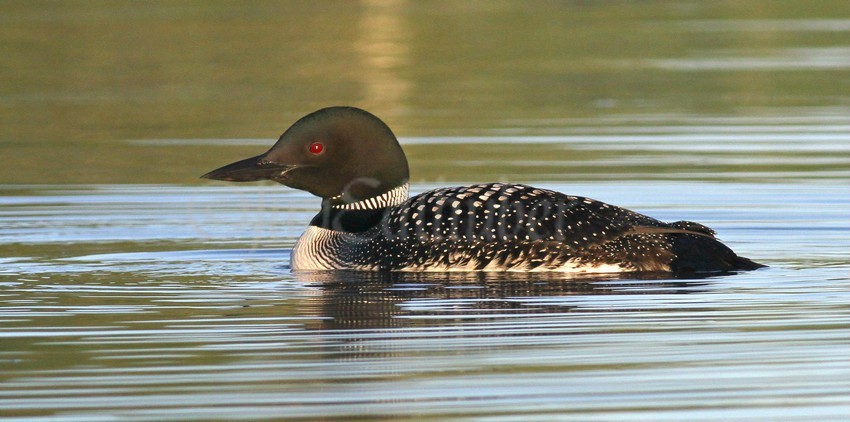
pixel 360 216
pixel 389 198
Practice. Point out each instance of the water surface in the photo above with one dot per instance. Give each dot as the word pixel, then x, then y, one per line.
pixel 130 289
pixel 153 301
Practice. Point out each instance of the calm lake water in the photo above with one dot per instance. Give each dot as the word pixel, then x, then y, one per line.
pixel 129 289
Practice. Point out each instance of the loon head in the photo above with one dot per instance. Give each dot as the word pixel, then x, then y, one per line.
pixel 342 154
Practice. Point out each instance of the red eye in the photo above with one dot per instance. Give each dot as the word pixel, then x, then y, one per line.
pixel 317 148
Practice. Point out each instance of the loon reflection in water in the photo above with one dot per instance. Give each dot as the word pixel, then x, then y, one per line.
pixel 377 300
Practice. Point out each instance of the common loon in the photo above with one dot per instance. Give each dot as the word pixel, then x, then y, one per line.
pixel 353 161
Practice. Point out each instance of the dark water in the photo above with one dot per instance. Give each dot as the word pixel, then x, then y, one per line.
pixel 130 290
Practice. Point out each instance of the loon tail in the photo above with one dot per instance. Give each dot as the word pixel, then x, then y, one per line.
pixel 746 264
pixel 696 253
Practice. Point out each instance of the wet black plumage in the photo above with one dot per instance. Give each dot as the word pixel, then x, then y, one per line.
pixel 517 227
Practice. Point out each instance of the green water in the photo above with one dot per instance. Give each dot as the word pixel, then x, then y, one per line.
pixel 131 289
pixel 81 80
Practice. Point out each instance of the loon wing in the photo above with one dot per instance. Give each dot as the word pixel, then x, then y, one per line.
pixel 503 213
pixel 522 227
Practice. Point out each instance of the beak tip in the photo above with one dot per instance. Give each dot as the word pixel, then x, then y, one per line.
pixel 213 176
pixel 209 175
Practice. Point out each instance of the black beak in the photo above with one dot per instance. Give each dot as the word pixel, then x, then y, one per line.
pixel 249 170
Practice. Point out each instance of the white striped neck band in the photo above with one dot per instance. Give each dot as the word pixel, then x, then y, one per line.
pixel 392 197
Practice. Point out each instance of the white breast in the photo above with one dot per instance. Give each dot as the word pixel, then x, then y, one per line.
pixel 310 251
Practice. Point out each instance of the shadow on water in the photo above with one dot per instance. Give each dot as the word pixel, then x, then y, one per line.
pixel 364 300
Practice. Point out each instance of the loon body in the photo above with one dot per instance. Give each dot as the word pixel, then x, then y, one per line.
pixel 352 160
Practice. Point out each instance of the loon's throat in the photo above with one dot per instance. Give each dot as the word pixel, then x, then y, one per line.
pixel 389 198
pixel 360 216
